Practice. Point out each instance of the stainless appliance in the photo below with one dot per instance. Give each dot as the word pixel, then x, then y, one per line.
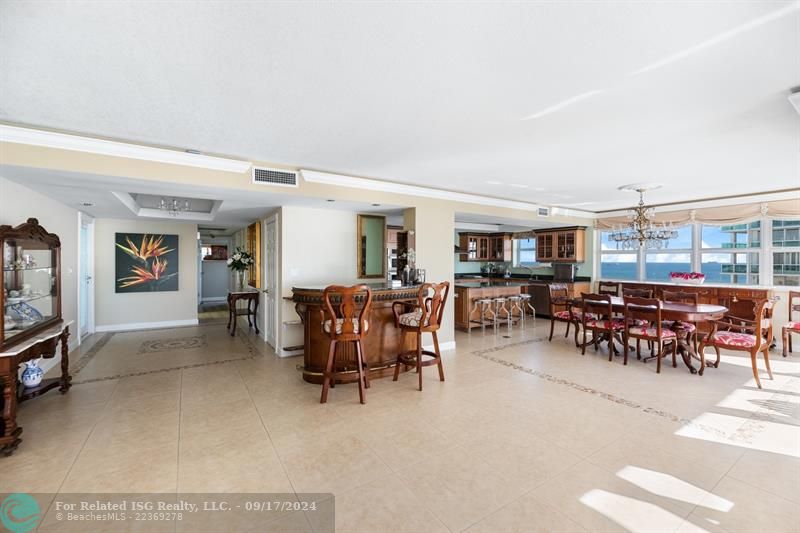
pixel 391 264
pixel 564 272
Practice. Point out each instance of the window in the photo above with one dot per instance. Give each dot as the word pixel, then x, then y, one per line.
pixel 618 265
pixel 676 256
pixel 722 265
pixel 786 252
pixel 657 266
pixel 525 252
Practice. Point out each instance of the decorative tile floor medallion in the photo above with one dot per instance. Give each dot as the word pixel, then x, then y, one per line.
pixel 169 345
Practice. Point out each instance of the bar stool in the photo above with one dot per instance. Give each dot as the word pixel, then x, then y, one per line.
pixel 426 317
pixel 484 305
pixel 515 304
pixel 500 306
pixel 526 304
pixel 344 322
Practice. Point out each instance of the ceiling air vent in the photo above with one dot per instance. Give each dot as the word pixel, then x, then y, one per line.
pixel 273 176
pixel 544 211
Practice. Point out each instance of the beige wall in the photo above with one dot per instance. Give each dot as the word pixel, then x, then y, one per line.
pixel 134 310
pixel 17 204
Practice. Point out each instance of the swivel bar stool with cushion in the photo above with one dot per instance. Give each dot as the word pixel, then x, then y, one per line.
pixel 344 318
pixel 426 317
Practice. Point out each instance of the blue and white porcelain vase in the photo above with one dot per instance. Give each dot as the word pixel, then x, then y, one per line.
pixel 32 375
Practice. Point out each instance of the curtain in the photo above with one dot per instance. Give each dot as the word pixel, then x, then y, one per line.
pixel 729 214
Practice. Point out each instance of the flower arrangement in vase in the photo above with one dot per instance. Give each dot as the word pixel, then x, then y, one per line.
pixel 240 261
pixel 687 277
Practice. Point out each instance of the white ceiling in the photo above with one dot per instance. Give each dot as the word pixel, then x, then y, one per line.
pixel 238 209
pixel 560 102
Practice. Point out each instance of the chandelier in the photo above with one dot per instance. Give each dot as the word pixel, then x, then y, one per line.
pixel 174 206
pixel 641 231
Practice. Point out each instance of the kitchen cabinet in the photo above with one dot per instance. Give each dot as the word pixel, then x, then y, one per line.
pixel 567 245
pixel 485 247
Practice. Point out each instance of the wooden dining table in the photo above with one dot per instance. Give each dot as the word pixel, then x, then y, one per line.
pixel 678 313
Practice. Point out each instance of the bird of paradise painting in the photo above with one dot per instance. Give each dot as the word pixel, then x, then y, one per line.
pixel 146 263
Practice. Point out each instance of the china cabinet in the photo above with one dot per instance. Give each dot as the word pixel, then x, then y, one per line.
pixel 31 296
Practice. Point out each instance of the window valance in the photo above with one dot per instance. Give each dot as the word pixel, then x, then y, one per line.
pixel 730 214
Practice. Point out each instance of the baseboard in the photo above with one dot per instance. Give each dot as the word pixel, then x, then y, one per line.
pixel 443 346
pixel 290 353
pixel 133 326
pixel 214 299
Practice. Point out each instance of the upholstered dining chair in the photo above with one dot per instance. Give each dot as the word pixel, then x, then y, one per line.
pixel 344 318
pixel 423 316
pixel 793 326
pixel 685 298
pixel 598 316
pixel 643 322
pixel 752 336
pixel 637 293
pixel 561 310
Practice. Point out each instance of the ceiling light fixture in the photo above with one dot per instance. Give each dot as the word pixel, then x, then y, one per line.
pixel 174 206
pixel 376 205
pixel 86 204
pixel 329 200
pixel 641 231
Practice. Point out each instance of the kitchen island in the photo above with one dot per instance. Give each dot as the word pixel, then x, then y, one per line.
pixel 466 292
pixel 381 344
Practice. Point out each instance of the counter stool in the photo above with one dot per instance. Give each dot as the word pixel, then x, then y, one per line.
pixel 515 304
pixel 484 305
pixel 499 303
pixel 345 322
pixel 526 304
pixel 426 317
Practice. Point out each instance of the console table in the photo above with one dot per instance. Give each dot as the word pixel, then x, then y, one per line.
pixel 250 297
pixel 43 344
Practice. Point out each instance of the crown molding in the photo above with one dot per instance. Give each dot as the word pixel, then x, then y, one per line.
pixel 340 180
pixel 78 143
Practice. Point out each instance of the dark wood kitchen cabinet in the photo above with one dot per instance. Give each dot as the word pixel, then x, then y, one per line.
pixel 485 246
pixel 566 245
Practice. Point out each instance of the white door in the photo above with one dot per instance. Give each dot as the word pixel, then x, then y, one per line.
pixel 199 272
pixel 85 276
pixel 271 277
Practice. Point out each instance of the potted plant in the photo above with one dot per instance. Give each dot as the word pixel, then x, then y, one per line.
pixel 240 261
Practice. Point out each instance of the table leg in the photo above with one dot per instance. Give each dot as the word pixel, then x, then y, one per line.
pixel 233 316
pixel 255 313
pixel 65 377
pixel 685 346
pixel 11 432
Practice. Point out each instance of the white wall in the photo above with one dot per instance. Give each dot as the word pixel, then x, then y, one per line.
pixel 318 247
pixel 121 311
pixel 17 204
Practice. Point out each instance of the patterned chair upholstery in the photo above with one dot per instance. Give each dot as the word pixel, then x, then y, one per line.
pixel 643 322
pixel 561 310
pixel 752 336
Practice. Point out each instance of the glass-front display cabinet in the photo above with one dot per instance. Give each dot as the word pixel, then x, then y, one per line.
pixel 31 297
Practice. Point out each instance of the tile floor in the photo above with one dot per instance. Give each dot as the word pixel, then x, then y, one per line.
pixel 525 435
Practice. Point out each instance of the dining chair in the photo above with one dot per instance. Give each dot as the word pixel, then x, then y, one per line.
pixel 792 327
pixel 752 336
pixel 608 287
pixel 423 316
pixel 598 316
pixel 562 310
pixel 684 298
pixel 344 318
pixel 642 317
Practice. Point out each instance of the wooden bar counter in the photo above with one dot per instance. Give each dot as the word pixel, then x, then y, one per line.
pixel 381 345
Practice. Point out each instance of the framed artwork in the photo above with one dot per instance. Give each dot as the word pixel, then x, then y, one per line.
pixel 146 262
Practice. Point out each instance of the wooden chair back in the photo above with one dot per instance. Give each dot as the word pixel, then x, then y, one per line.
pixel 648 309
pixel 680 297
pixel 794 304
pixel 559 297
pixel 347 304
pixel 763 312
pixel 598 304
pixel 432 298
pixel 637 293
pixel 608 287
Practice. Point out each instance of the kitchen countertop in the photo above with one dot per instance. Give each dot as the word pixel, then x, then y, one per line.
pixel 379 286
pixel 489 284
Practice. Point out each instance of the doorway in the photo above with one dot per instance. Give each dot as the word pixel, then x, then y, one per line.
pixel 271 279
pixel 85 275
